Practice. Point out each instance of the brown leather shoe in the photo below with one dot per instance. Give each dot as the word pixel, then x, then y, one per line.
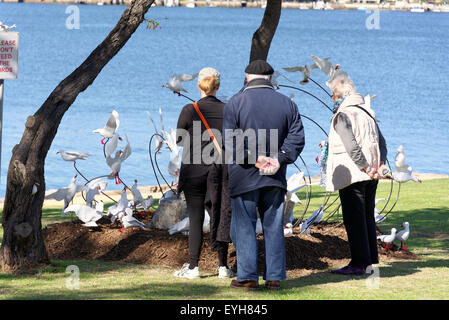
pixel 247 285
pixel 273 285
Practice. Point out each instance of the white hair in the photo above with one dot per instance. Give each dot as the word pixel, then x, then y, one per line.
pixel 342 85
pixel 258 76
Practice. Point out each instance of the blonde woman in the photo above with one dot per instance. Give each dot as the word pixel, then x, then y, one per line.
pixel 357 153
pixel 202 181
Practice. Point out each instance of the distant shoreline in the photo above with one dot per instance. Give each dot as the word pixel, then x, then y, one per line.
pixel 317 5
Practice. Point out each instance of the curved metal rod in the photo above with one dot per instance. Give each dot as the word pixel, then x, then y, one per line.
pixel 152 163
pixel 82 194
pixel 162 175
pixel 182 95
pixel 306 92
pixel 309 193
pixel 391 190
pixel 316 123
pixel 320 86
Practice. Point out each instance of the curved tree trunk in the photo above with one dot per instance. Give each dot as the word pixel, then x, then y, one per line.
pixel 23 245
pixel 262 37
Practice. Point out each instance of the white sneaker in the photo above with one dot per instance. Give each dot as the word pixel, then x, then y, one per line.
pixel 185 272
pixel 225 272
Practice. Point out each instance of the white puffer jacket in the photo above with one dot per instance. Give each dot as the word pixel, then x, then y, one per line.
pixel 341 170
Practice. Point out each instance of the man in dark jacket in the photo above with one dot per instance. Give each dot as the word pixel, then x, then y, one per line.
pixel 262 132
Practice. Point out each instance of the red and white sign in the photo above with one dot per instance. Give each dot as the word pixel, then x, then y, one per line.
pixel 9 53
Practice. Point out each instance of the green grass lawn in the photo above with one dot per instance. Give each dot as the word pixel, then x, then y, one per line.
pixel 425 206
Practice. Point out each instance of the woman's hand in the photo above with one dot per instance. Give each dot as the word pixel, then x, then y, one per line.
pixel 383 171
pixel 371 172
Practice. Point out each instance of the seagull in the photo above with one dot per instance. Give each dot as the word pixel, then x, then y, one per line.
pixel 5 28
pixel 403 171
pixel 403 235
pixel 275 76
pixel 184 224
pixel 174 164
pixel 327 68
pixel 175 82
pixel 306 70
pixel 388 238
pixel 120 207
pixel 112 144
pixel 93 188
pixel 138 198
pixel 69 155
pixel 111 126
pixel 66 193
pixel 158 141
pixel 315 218
pixel 116 162
pixel 128 220
pixel 86 214
pixel 377 216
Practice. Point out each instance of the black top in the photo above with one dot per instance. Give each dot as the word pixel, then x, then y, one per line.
pixel 193 164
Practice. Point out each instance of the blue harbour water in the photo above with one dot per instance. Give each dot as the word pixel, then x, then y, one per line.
pixel 405 63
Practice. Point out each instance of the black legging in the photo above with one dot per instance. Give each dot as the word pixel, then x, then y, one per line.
pixel 195 193
pixel 358 202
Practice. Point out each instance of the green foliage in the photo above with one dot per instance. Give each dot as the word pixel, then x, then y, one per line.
pixel 152 24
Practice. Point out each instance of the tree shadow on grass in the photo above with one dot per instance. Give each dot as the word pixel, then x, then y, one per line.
pixel 391 270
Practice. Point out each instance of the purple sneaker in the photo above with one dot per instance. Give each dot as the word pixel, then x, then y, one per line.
pixel 348 270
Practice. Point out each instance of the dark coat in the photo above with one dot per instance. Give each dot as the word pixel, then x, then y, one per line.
pixel 260 108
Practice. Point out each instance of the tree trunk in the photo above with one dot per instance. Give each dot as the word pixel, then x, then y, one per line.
pixel 23 245
pixel 262 37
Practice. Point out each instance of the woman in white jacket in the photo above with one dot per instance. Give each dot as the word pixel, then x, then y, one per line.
pixel 357 153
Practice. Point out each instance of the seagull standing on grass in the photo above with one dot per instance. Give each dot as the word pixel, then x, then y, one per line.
pixel 119 207
pixel 175 82
pixel 138 198
pixel 403 235
pixel 66 193
pixel 70 155
pixel 128 220
pixel 388 238
pixel 86 214
pixel 110 127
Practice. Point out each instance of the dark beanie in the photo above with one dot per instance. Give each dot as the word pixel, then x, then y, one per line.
pixel 259 67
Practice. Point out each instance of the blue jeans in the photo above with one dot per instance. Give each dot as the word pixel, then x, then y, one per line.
pixel 270 201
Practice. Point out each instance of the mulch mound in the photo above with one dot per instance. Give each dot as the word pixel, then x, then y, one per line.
pixel 325 247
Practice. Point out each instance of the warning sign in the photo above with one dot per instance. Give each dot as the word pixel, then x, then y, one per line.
pixel 9 53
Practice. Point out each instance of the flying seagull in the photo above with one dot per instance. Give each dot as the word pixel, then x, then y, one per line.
pixel 115 162
pixel 327 68
pixel 306 70
pixel 175 82
pixel 66 193
pixel 69 155
pixel 110 127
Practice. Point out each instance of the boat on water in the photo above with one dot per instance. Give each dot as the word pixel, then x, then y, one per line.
pixel 417 9
pixel 190 5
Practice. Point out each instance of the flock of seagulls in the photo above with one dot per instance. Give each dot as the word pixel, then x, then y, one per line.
pixel 121 211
